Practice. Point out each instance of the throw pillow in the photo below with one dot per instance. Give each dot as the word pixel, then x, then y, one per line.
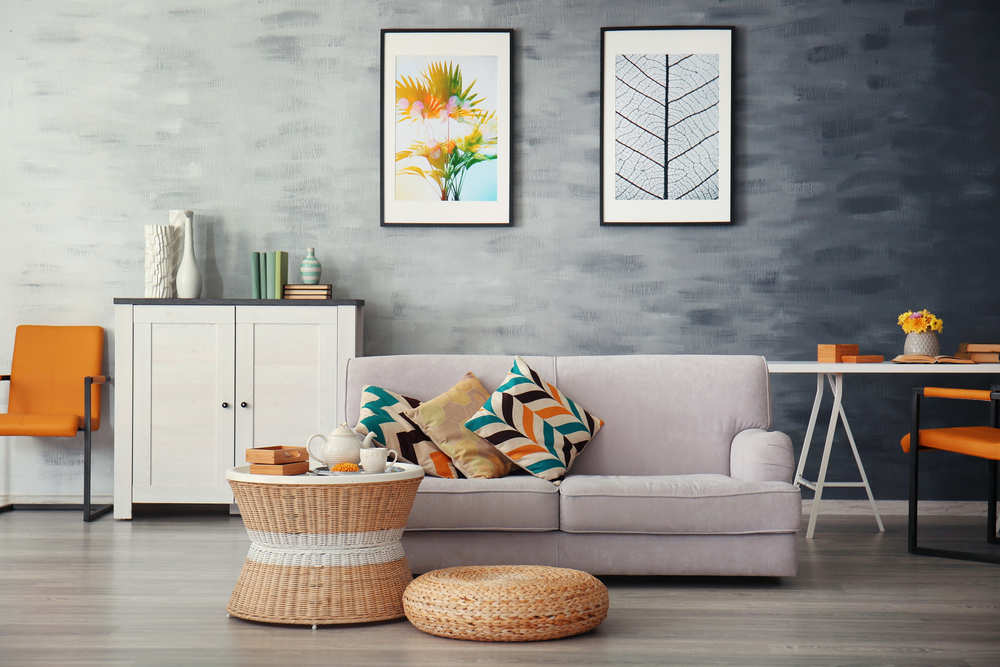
pixel 534 424
pixel 381 414
pixel 443 419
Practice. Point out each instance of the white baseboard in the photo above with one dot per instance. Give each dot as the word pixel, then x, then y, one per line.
pixel 898 507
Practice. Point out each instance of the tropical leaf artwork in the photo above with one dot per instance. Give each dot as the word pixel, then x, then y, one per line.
pixel 666 126
pixel 445 128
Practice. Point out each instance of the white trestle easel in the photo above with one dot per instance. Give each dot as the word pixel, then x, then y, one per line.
pixel 833 374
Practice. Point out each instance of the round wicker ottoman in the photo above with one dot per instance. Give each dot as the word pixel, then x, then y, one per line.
pixel 506 603
pixel 323 550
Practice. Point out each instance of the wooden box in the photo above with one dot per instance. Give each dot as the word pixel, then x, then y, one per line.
pixel 863 359
pixel 279 468
pixel 834 353
pixel 277 454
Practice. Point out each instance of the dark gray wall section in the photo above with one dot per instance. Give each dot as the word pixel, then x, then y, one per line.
pixel 865 169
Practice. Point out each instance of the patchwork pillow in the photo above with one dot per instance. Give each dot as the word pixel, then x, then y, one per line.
pixel 534 424
pixel 443 419
pixel 381 414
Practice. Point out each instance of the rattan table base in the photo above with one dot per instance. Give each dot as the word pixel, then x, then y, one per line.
pixel 323 554
pixel 506 603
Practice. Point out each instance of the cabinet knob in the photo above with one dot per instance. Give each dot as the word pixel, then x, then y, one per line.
pixel 225 405
pixel 243 404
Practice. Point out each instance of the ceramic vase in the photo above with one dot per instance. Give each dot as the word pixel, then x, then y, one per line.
pixel 924 342
pixel 310 268
pixel 162 243
pixel 188 273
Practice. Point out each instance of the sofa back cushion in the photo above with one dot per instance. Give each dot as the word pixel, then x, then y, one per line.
pixel 424 376
pixel 665 414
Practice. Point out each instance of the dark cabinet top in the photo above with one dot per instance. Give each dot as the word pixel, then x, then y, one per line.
pixel 238 302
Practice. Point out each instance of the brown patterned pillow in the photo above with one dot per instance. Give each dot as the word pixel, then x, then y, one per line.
pixel 443 419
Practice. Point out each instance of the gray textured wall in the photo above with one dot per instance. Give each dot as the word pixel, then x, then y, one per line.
pixel 865 165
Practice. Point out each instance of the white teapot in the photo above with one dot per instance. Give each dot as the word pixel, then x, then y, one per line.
pixel 341 446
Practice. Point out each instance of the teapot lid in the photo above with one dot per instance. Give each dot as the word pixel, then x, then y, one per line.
pixel 343 430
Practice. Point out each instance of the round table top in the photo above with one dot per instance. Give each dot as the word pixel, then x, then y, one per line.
pixel 410 471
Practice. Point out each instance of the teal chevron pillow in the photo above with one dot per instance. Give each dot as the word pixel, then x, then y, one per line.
pixel 382 414
pixel 534 424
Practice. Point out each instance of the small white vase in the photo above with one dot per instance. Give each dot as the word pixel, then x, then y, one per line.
pixel 923 342
pixel 188 273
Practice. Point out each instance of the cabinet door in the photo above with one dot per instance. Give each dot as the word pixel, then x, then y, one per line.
pixel 184 424
pixel 286 374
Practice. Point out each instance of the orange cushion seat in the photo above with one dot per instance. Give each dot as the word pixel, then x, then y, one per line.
pixel 980 441
pixel 40 425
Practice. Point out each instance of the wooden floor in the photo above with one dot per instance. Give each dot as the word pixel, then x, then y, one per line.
pixel 153 591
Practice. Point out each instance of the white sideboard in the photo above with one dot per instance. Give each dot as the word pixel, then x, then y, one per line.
pixel 199 381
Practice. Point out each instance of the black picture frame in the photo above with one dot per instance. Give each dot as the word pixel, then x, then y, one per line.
pixel 455 148
pixel 666 125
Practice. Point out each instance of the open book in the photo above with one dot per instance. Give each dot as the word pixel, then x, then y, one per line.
pixel 927 359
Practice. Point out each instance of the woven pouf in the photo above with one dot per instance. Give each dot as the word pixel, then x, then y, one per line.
pixel 506 603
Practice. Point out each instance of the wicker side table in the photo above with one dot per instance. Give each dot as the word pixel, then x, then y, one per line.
pixel 324 549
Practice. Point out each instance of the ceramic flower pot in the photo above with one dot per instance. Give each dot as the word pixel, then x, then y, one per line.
pixel 924 342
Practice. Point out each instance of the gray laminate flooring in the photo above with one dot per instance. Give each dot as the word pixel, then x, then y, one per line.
pixel 153 591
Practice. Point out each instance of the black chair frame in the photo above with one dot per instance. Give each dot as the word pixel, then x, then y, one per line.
pixel 991 512
pixel 90 511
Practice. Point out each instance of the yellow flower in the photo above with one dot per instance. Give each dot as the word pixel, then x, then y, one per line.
pixel 920 321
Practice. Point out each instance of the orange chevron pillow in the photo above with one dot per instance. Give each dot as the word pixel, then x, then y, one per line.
pixel 534 424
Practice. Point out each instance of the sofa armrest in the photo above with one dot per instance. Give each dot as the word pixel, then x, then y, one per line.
pixel 762 456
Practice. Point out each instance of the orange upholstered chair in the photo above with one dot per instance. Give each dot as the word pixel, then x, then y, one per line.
pixel 55 379
pixel 979 441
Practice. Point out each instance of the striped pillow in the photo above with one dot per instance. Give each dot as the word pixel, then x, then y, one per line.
pixel 533 424
pixel 382 414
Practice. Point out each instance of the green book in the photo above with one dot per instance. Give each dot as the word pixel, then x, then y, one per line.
pixel 280 273
pixel 262 276
pixel 269 275
pixel 255 275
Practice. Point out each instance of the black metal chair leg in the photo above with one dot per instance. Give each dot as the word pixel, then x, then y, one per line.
pixel 89 513
pixel 991 512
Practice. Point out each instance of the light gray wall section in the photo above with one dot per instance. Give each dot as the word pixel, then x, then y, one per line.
pixel 865 185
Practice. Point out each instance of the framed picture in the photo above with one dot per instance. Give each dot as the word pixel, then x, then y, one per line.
pixel 446 127
pixel 666 125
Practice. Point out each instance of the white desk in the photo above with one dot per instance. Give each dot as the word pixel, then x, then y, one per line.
pixel 834 374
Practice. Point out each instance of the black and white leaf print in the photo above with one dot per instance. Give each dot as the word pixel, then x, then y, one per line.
pixel 666 126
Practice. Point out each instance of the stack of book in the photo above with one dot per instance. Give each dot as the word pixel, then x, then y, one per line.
pixel 981 353
pixel 308 292
pixel 268 274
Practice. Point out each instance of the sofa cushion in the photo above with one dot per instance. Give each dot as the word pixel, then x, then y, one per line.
pixel 534 424
pixel 677 504
pixel 443 419
pixel 381 414
pixel 516 502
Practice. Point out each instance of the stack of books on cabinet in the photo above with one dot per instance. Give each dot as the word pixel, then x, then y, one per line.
pixel 981 353
pixel 278 460
pixel 308 292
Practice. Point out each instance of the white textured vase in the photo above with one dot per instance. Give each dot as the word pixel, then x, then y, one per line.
pixel 924 342
pixel 162 243
pixel 188 273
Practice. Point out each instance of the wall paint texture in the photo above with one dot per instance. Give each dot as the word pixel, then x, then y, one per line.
pixel 865 178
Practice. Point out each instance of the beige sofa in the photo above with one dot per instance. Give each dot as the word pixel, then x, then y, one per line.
pixel 684 477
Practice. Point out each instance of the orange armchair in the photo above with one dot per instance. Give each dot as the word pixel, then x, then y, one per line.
pixel 979 441
pixel 48 367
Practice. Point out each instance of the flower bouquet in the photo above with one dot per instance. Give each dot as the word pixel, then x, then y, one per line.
pixel 921 321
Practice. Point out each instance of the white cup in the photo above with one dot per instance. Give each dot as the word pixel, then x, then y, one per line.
pixel 375 459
